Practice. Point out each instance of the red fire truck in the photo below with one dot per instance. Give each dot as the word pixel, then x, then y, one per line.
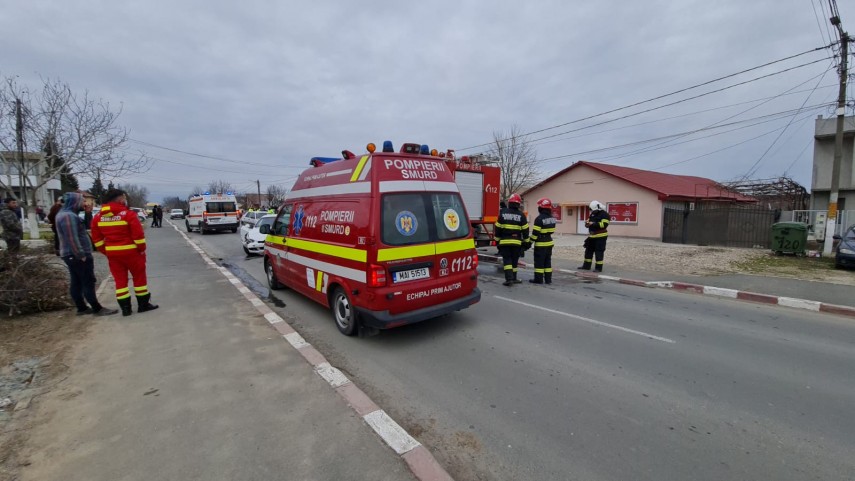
pixel 478 183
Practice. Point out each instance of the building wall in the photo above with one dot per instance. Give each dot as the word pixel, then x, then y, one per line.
pixel 581 185
pixel 823 159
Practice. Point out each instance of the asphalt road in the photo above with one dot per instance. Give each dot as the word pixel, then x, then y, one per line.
pixel 604 381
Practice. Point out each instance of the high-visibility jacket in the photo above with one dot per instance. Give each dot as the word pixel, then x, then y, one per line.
pixel 117 230
pixel 541 233
pixel 511 227
pixel 598 224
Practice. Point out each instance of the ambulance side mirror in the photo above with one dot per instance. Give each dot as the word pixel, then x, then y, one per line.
pixel 265 229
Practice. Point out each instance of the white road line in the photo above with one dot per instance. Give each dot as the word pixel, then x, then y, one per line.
pixel 391 432
pixel 592 321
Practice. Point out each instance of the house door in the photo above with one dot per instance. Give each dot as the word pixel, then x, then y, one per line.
pixel 584 212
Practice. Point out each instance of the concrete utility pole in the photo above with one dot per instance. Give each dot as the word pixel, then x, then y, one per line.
pixel 831 219
pixel 258 184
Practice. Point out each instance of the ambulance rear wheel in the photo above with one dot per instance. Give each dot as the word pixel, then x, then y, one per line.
pixel 202 229
pixel 272 282
pixel 187 224
pixel 345 315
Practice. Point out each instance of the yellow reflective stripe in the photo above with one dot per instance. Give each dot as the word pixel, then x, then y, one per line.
pixel 454 246
pixel 139 241
pixel 359 167
pixel 275 239
pixel 122 248
pixel 395 253
pixel 112 223
pixel 122 290
pixel 105 209
pixel 597 236
pixel 141 288
pixel 319 280
pixel 349 253
pixel 123 297
pixel 99 243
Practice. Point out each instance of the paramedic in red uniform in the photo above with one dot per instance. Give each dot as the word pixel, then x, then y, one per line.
pixel 118 233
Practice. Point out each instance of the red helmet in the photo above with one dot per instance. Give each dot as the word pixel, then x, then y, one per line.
pixel 544 203
pixel 515 199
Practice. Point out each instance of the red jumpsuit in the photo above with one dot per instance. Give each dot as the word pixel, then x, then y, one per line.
pixel 118 233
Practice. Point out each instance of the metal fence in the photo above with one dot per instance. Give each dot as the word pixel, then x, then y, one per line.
pixel 815 219
pixel 719 225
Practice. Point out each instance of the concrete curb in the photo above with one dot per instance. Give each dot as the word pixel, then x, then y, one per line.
pixel 420 461
pixel 792 302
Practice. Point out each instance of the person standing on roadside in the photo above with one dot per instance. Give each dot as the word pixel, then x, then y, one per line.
pixel 13 232
pixel 159 216
pixel 512 237
pixel 51 218
pixel 118 233
pixel 75 249
pixel 541 238
pixel 598 233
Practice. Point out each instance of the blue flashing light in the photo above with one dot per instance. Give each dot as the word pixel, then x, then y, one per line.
pixel 387 146
pixel 425 150
pixel 228 193
pixel 319 161
pixel 207 193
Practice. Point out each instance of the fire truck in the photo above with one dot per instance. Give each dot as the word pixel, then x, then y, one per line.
pixel 478 183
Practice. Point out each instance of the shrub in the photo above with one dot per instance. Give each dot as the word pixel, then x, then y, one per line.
pixel 32 281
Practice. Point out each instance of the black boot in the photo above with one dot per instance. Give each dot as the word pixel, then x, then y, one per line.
pixel 125 304
pixel 538 278
pixel 598 268
pixel 515 280
pixel 547 277
pixel 144 302
pixel 509 278
pixel 586 266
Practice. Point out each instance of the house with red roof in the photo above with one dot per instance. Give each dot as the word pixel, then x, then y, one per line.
pixel 637 199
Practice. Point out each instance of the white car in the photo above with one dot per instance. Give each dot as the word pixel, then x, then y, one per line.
pixel 140 214
pixel 176 214
pixel 251 239
pixel 250 218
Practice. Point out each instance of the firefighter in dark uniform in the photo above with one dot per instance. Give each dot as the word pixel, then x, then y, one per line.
pixel 512 235
pixel 541 238
pixel 595 244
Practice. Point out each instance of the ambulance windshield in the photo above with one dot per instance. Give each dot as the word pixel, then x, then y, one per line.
pixel 415 218
pixel 218 207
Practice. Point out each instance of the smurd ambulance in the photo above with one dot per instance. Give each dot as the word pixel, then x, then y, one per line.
pixel 381 239
pixel 212 212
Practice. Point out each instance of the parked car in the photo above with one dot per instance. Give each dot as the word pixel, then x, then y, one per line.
pixel 140 213
pixel 176 214
pixel 251 238
pixel 250 218
pixel 845 256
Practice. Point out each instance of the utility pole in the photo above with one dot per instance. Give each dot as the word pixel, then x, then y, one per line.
pixel 258 184
pixel 831 219
pixel 19 139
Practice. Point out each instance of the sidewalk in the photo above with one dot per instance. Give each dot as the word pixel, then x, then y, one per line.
pixel 207 388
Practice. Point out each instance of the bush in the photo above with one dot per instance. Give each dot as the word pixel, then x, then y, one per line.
pixel 32 281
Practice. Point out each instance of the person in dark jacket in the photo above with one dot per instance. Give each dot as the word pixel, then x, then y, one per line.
pixel 13 232
pixel 595 244
pixel 75 249
pixel 541 238
pixel 512 237
pixel 51 218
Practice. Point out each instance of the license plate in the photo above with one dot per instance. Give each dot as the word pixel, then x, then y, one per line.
pixel 411 275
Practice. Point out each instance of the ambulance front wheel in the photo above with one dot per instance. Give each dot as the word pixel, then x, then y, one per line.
pixel 346 319
pixel 272 282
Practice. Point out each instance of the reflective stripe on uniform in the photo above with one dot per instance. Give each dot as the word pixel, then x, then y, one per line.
pixel 99 243
pixel 122 248
pixel 112 223
pixel 139 241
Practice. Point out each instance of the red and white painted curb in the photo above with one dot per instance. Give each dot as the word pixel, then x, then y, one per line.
pixel 420 461
pixel 711 291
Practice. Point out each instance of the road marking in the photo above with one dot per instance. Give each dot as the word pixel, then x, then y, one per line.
pixel 391 432
pixel 592 321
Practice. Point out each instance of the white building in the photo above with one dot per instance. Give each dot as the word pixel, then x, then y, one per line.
pixel 10 178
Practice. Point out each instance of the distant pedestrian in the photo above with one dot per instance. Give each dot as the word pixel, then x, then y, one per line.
pixel 595 244
pixel 541 238
pixel 51 218
pixel 156 216
pixel 75 250
pixel 118 233
pixel 512 237
pixel 12 230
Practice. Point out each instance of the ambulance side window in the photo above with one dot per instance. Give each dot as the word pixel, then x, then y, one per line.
pixel 283 221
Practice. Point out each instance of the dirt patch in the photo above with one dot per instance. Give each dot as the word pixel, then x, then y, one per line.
pixel 33 350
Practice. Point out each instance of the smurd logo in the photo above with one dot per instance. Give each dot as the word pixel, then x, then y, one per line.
pixel 298 220
pixel 406 223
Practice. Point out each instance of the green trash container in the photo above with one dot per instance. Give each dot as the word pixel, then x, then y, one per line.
pixel 789 237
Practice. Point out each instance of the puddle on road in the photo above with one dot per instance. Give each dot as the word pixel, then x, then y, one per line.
pixel 253 284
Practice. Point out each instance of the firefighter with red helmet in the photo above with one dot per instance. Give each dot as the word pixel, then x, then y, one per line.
pixel 598 233
pixel 118 234
pixel 511 230
pixel 541 238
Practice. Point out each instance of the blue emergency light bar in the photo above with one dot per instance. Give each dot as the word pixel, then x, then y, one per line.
pixel 319 161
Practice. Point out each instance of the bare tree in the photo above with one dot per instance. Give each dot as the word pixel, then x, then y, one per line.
pixel 275 195
pixel 174 202
pixel 196 190
pixel 137 195
pixel 220 186
pixel 78 135
pixel 517 158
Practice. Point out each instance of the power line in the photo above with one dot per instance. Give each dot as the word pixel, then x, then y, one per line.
pixel 195 154
pixel 667 95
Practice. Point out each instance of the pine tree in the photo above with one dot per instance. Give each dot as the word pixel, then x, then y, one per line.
pixel 97 189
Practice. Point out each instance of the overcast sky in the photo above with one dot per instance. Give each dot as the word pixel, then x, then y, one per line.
pixel 269 84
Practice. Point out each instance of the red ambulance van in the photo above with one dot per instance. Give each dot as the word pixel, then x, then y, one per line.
pixel 381 239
